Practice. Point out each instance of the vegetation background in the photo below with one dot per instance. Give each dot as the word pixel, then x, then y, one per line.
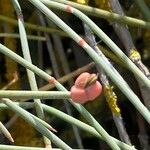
pixel 45 53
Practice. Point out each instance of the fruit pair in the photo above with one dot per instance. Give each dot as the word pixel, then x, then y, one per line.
pixel 86 88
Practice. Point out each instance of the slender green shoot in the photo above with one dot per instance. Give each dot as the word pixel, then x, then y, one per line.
pixel 104 14
pixel 98 60
pixel 36 124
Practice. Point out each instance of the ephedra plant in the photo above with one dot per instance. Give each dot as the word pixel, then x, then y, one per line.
pixel 87 85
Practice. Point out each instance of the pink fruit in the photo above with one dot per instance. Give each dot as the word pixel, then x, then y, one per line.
pixel 82 80
pixel 84 90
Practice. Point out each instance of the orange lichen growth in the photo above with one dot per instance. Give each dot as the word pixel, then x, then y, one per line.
pixel 103 4
pixel 25 135
pixel 7 9
pixel 22 133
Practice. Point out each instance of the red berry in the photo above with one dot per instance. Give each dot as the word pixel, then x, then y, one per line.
pixel 93 90
pixel 82 80
pixel 78 95
pixel 82 94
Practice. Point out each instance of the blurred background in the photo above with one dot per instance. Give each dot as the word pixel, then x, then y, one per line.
pixel 58 55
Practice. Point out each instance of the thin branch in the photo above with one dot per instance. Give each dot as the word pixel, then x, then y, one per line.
pixel 101 62
pixel 14 94
pixel 81 109
pixel 14 80
pixel 6 132
pixel 126 39
pixel 33 26
pixel 55 67
pixel 27 56
pixel 15 35
pixel 69 119
pixel 110 95
pixel 68 76
pixel 35 123
pixel 96 30
pixel 103 14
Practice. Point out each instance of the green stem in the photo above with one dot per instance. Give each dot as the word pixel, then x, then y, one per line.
pixel 30 37
pixel 101 34
pixel 81 109
pixel 110 16
pixel 36 124
pixel 98 60
pixel 24 62
pixel 33 26
pixel 47 77
pixel 59 51
pixel 27 56
pixel 82 125
pixel 69 76
pixel 117 118
pixel 69 119
pixel 34 94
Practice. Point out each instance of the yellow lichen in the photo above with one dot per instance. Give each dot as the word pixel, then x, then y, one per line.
pixel 103 4
pixel 84 2
pixel 111 99
pixel 134 54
